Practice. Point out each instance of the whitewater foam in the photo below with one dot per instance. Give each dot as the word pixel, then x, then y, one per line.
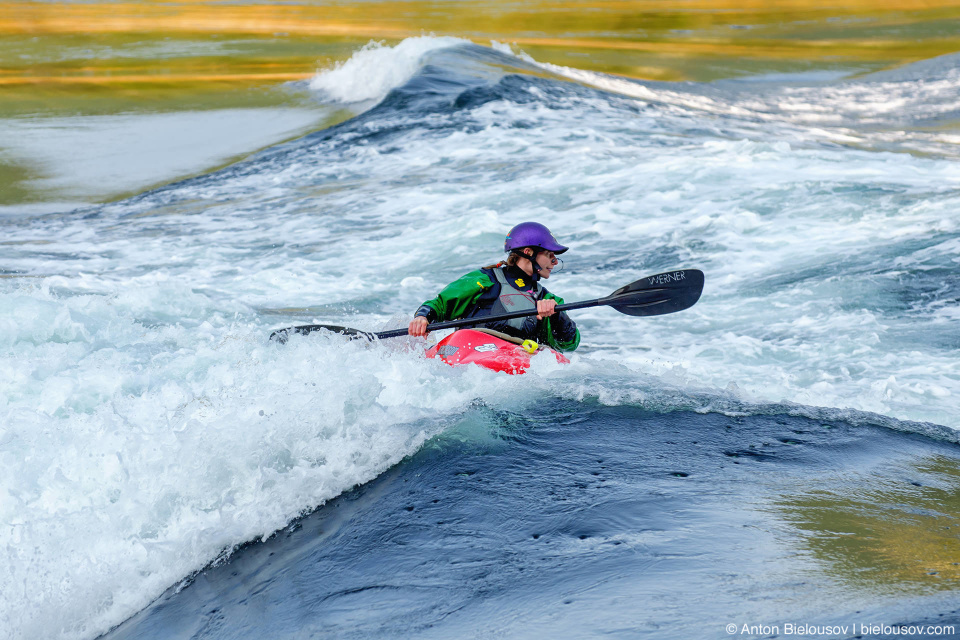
pixel 887 110
pixel 134 454
pixel 376 69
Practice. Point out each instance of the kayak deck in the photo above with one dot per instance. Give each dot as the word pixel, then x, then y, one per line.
pixel 487 348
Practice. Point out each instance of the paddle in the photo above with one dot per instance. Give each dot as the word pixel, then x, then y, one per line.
pixel 651 296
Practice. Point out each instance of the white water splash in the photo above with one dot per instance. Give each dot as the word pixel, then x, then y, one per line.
pixel 376 69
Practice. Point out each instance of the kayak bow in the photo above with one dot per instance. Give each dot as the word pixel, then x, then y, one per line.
pixel 489 349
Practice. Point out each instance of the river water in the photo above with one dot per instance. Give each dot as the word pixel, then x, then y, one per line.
pixel 149 427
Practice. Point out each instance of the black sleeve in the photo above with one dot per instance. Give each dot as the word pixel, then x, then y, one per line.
pixel 563 327
pixel 426 312
pixel 530 326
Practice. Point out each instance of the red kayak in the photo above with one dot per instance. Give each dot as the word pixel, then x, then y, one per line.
pixel 489 349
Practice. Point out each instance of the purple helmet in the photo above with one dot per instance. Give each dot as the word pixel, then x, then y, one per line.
pixel 532 234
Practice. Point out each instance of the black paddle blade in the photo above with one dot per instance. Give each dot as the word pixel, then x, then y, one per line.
pixel 659 294
pixel 282 335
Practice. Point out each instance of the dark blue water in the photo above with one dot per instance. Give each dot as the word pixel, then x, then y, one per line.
pixel 585 521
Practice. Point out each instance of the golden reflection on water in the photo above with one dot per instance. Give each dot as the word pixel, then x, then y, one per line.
pixel 884 533
pixel 657 39
pixel 98 58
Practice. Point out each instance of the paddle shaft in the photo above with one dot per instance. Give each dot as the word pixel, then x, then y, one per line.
pixel 469 322
pixel 651 296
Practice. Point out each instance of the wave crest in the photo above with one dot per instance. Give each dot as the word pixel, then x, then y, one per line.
pixel 376 69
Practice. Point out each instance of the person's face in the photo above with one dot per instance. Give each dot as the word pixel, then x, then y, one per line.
pixel 547 261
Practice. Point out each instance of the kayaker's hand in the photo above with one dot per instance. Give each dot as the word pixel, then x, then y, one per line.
pixel 418 327
pixel 545 308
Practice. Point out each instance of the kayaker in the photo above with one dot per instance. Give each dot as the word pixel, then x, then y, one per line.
pixel 510 285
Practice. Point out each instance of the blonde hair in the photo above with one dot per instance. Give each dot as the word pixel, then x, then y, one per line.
pixel 515 257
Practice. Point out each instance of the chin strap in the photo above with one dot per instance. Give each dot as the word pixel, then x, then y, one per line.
pixel 532 259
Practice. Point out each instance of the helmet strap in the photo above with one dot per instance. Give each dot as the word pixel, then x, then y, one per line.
pixel 533 260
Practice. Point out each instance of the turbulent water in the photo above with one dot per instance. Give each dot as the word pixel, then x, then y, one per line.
pixel 149 427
